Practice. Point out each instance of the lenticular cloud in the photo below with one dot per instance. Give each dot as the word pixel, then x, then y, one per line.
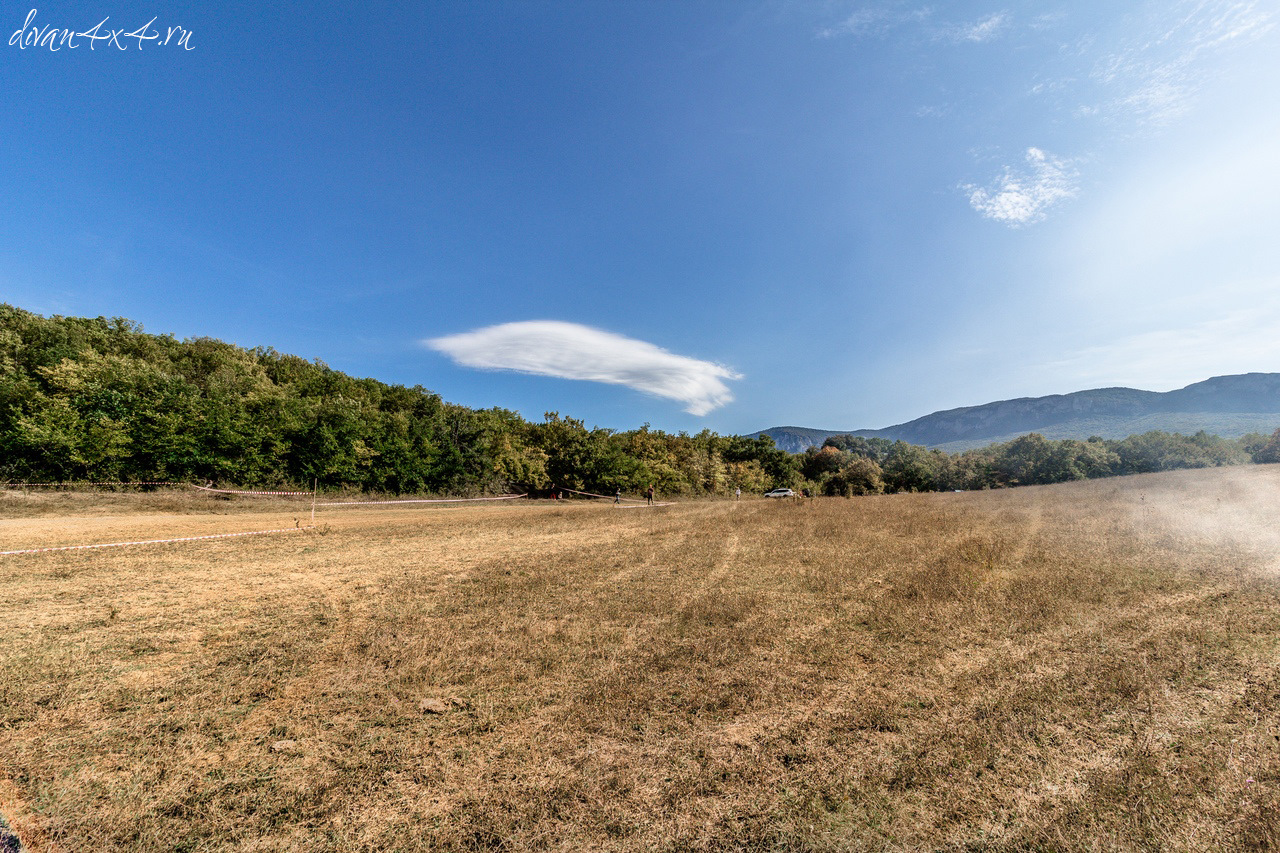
pixel 571 351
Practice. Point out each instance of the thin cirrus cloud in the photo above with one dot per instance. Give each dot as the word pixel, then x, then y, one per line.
pixel 572 351
pixel 1121 75
pixel 880 21
pixel 874 21
pixel 984 30
pixel 1022 196
pixel 1154 80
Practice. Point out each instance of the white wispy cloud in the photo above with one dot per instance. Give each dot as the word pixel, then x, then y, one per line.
pixel 882 20
pixel 874 21
pixel 1048 20
pixel 1153 78
pixel 573 351
pixel 1021 196
pixel 1118 75
pixel 984 30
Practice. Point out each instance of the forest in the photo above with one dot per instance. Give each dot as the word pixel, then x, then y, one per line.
pixel 99 399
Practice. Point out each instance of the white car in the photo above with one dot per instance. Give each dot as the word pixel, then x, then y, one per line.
pixel 780 493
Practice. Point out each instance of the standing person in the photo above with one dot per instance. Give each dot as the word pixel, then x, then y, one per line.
pixel 737 493
pixel 617 498
pixel 649 494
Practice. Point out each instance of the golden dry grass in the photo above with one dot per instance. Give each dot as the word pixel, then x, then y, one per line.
pixel 1082 667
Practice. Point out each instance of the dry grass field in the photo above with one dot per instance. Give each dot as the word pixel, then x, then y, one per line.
pixel 1092 666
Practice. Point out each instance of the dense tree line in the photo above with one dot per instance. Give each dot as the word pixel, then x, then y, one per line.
pixel 852 465
pixel 99 399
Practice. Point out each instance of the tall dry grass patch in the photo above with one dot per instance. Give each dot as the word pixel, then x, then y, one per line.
pixel 1087 666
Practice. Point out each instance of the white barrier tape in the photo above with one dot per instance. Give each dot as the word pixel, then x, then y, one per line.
pixel 250 492
pixel 78 483
pixel 594 495
pixel 154 541
pixel 70 484
pixel 239 492
pixel 421 501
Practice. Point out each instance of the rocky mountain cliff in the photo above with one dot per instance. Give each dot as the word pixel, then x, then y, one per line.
pixel 1228 406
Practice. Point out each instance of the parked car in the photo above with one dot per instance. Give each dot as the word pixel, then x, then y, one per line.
pixel 780 493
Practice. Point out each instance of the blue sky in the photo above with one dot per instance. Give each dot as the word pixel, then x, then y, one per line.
pixel 722 215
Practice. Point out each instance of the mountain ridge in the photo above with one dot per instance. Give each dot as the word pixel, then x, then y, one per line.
pixel 1230 406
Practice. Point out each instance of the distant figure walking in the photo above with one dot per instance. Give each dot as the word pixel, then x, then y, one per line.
pixel 649 494
pixel 737 493
pixel 617 498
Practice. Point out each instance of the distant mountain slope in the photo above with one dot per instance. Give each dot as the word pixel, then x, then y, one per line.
pixel 798 439
pixel 1228 406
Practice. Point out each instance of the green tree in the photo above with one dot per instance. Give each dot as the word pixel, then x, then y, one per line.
pixel 1269 453
pixel 910 468
pixel 857 476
